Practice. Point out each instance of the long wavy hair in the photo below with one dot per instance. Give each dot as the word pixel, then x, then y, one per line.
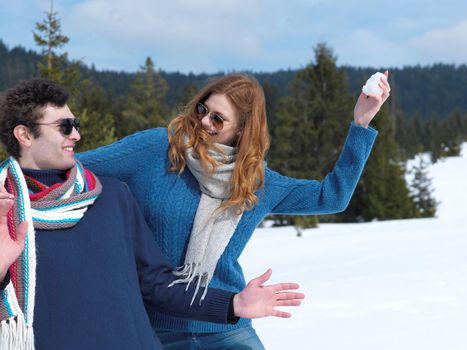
pixel 247 97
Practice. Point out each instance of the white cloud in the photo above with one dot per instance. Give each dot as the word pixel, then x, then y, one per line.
pixel 197 31
pixel 198 36
pixel 442 44
pixel 207 35
pixel 146 21
pixel 367 48
pixel 202 35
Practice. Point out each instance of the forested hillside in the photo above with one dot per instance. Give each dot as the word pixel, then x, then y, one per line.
pixel 428 91
pixel 309 110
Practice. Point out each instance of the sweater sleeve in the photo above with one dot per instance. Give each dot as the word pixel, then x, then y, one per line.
pixel 333 193
pixel 155 274
pixel 123 158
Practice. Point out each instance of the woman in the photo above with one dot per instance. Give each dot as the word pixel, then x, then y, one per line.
pixel 204 187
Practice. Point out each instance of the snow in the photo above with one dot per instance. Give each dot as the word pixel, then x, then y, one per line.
pixel 384 285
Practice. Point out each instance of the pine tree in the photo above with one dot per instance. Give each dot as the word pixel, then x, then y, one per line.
pixel 145 106
pixel 271 95
pixel 97 119
pixel 98 124
pixel 433 139
pixel 451 129
pixel 189 91
pixel 408 135
pixel 56 67
pixel 422 191
pixel 382 191
pixel 308 127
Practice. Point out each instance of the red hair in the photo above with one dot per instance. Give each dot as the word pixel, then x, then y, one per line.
pixel 185 131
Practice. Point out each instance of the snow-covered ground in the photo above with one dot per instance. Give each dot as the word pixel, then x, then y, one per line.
pixel 391 285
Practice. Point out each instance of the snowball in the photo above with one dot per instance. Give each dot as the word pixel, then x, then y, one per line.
pixel 371 86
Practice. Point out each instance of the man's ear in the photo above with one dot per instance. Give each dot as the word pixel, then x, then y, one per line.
pixel 23 135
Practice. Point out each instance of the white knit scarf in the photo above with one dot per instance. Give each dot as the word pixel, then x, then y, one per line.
pixel 61 208
pixel 212 229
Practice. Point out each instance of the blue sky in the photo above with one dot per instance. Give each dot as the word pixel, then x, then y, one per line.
pixel 258 35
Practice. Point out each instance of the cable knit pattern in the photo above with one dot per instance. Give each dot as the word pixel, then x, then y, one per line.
pixel 169 202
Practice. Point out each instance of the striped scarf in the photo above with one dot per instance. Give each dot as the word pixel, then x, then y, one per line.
pixel 47 208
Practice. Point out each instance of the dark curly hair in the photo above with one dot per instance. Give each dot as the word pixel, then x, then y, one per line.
pixel 23 105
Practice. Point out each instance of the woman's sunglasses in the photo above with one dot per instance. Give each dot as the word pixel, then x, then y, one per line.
pixel 66 125
pixel 216 119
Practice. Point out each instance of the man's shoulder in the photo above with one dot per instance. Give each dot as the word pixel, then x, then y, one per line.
pixel 115 193
pixel 110 183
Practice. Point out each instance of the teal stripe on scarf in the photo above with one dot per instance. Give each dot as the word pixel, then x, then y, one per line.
pixel 4 294
pixel 25 253
pixel 83 175
pixel 56 221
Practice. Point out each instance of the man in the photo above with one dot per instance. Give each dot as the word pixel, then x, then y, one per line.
pixel 89 266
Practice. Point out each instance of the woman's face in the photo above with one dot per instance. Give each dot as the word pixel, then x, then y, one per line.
pixel 217 105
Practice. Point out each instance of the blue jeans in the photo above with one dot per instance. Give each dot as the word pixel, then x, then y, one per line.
pixel 238 339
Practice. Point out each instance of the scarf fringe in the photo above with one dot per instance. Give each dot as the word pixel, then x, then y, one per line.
pixel 15 334
pixel 188 273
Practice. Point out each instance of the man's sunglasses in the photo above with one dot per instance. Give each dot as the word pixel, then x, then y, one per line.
pixel 66 125
pixel 216 119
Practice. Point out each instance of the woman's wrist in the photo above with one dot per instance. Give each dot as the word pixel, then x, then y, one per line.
pixel 361 122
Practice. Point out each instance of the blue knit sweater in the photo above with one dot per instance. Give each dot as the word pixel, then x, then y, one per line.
pixel 169 202
pixel 92 279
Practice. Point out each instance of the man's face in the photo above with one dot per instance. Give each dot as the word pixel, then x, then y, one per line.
pixel 52 149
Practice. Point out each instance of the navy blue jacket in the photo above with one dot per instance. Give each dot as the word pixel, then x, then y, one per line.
pixel 92 279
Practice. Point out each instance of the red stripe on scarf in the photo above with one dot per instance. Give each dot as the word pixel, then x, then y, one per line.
pixel 12 230
pixel 39 195
pixel 37 183
pixel 90 179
